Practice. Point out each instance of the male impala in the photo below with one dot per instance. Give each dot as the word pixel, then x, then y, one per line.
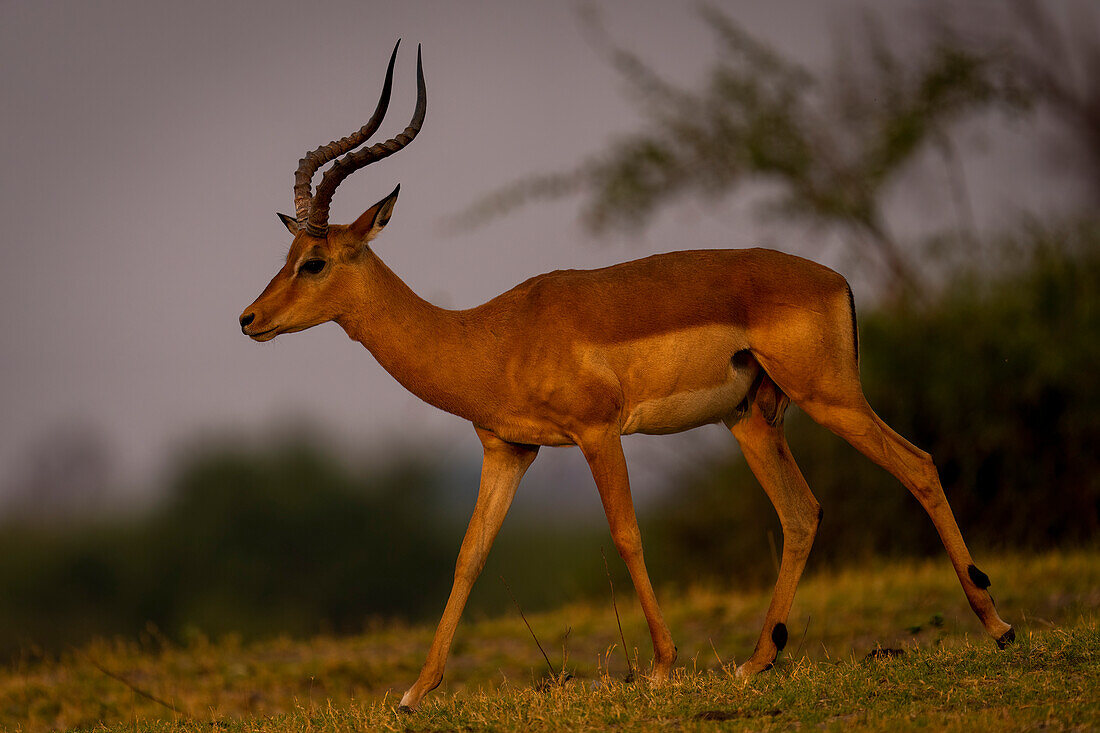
pixel 582 357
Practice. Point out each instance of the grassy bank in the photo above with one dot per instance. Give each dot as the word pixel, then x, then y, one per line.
pixel 947 674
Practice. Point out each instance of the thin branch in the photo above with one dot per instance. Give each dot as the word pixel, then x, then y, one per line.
pixel 725 668
pixel 509 589
pixel 144 693
pixel 565 651
pixel 615 607
pixel 804 632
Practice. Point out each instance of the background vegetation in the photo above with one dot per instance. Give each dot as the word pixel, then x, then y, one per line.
pixel 980 346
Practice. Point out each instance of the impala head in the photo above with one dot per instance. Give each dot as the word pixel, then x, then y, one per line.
pixel 323 258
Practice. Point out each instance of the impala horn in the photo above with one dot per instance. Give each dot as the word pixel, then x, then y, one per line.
pixel 312 211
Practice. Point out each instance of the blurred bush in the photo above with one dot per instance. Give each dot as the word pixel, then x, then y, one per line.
pixel 285 538
pixel 996 377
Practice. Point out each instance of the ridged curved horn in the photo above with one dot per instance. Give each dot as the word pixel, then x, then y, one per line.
pixel 307 166
pixel 317 225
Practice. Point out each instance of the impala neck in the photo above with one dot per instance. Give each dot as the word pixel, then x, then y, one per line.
pixel 412 339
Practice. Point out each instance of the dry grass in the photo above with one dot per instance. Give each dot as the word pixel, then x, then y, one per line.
pixel 950 676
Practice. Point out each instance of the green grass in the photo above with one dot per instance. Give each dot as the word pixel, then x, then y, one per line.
pixel 949 676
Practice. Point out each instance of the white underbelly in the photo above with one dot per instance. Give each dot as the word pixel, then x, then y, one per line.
pixel 689 409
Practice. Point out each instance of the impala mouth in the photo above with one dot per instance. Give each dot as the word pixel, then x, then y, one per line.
pixel 264 335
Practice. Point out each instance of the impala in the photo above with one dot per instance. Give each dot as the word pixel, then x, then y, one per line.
pixel 582 357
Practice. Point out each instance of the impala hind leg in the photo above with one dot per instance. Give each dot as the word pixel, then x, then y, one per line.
pixel 846 413
pixel 501 470
pixel 605 458
pixel 760 435
pixel 813 358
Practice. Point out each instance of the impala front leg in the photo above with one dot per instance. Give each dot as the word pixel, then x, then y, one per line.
pixel 501 470
pixel 604 454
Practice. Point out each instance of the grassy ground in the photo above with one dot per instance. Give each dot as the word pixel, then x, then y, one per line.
pixel 948 675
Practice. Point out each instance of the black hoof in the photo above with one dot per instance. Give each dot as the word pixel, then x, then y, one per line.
pixel 405 709
pixel 1006 638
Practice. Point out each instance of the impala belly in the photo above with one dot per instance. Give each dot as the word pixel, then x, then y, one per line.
pixel 685 379
pixel 686 410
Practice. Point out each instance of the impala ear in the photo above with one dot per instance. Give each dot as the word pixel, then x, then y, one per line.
pixel 289 222
pixel 367 226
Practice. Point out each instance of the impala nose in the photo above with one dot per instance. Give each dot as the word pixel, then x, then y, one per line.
pixel 246 319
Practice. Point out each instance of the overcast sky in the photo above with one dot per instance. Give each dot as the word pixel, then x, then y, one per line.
pixel 146 146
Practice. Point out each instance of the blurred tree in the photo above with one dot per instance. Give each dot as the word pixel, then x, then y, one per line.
pixel 830 148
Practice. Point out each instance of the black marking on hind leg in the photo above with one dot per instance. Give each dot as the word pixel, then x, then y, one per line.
pixel 779 637
pixel 979 578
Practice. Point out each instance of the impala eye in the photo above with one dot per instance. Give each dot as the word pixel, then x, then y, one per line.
pixel 313 266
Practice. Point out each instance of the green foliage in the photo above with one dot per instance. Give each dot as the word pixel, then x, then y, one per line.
pixel 283 539
pixel 997 381
pixel 995 378
pixel 278 540
pixel 244 530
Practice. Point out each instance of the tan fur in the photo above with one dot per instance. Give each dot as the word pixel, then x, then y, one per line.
pixel 661 396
